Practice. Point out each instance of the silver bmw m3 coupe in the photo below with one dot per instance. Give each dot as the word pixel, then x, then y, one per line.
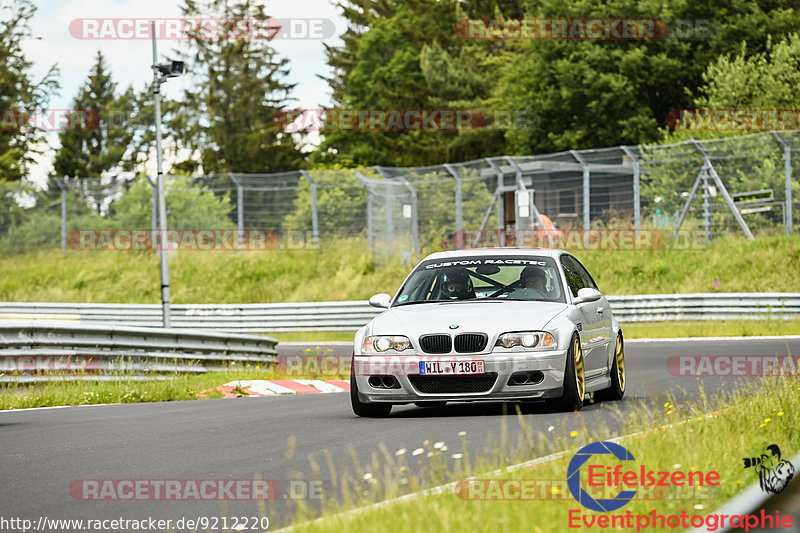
pixel 489 325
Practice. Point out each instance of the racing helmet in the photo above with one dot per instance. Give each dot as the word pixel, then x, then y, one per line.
pixel 459 280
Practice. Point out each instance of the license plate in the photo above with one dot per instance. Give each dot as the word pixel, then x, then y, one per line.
pixel 473 366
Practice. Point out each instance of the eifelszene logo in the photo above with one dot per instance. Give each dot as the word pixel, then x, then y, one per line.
pixel 574 476
pixel 774 473
pixel 608 476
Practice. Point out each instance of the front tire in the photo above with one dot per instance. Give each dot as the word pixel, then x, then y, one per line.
pixel 574 378
pixel 367 410
pixel 617 389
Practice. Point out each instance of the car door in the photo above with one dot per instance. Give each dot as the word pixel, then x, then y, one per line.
pixel 595 318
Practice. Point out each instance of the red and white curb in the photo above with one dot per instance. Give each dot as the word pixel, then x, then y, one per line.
pixel 275 387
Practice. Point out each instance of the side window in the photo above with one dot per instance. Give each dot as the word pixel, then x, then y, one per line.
pixel 587 279
pixel 575 281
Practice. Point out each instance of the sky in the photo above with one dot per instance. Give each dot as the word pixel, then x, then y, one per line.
pixel 129 60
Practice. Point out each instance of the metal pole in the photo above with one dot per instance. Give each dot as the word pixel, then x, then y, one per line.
pixel 389 206
pixel 63 214
pixel 706 208
pixel 787 171
pixel 501 208
pixel 586 198
pixel 239 208
pixel 689 201
pixel 162 206
pixel 721 186
pixel 459 236
pixel 370 215
pixel 414 221
pixel 637 201
pixel 314 213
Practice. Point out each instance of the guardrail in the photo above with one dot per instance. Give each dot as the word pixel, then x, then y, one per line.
pixel 32 350
pixel 349 316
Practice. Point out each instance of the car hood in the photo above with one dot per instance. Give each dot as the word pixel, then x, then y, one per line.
pixel 491 317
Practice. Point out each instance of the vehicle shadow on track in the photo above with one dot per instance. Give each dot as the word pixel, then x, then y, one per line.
pixel 484 409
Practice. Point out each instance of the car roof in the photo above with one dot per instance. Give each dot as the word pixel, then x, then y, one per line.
pixel 505 251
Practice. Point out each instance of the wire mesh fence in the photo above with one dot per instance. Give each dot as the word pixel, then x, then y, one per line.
pixel 742 185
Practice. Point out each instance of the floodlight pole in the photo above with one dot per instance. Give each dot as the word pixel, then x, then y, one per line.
pixel 162 206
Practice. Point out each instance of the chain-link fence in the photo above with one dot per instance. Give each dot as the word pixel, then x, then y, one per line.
pixel 713 187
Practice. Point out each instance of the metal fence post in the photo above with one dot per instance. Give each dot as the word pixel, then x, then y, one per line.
pixel 414 221
pixel 501 208
pixel 710 170
pixel 787 171
pixel 370 214
pixel 459 236
pixel 63 188
pixel 389 207
pixel 239 208
pixel 637 201
pixel 314 213
pixel 586 197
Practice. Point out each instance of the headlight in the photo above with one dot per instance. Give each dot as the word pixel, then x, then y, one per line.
pixel 382 343
pixel 526 339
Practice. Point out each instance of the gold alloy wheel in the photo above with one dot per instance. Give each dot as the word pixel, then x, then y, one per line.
pixel 580 379
pixel 619 354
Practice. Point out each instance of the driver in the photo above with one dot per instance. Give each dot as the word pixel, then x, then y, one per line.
pixel 533 277
pixel 457 285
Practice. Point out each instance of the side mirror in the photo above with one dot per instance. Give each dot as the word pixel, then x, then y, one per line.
pixel 587 295
pixel 382 300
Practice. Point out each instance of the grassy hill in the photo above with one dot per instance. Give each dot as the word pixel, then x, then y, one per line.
pixel 345 270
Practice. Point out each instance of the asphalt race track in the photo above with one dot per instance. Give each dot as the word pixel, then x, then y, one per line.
pixel 44 451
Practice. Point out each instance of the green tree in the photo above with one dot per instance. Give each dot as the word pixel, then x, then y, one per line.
pixel 19 91
pixel 100 142
pixel 763 80
pixel 587 94
pixel 407 55
pixel 189 206
pixel 227 117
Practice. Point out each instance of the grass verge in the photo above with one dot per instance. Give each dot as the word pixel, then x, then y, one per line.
pixel 166 389
pixel 741 424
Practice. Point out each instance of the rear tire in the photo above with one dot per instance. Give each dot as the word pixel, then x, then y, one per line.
pixel 618 378
pixel 367 410
pixel 574 379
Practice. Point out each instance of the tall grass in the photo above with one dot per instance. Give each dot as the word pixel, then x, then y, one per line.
pixel 708 434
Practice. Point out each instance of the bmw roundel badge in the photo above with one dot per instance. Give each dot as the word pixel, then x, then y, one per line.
pixel 453 326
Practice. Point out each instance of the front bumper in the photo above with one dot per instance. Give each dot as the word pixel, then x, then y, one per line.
pixel 405 371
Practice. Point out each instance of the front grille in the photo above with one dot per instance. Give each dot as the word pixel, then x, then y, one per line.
pixel 470 342
pixel 435 343
pixel 453 384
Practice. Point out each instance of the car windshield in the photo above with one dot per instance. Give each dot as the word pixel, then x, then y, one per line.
pixel 526 278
